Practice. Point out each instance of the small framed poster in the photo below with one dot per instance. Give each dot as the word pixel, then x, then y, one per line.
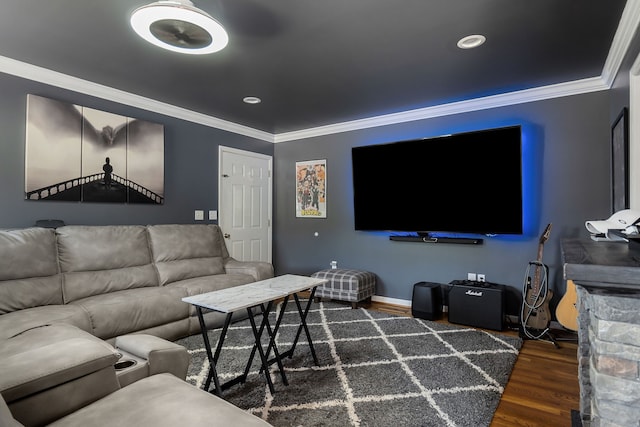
pixel 311 189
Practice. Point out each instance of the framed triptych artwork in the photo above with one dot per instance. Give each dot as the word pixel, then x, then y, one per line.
pixel 75 153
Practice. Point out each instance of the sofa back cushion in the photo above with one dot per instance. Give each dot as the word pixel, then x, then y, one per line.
pixel 185 251
pixel 29 275
pixel 96 260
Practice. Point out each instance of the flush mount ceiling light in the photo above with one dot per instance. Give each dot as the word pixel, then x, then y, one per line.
pixel 469 42
pixel 179 26
pixel 251 100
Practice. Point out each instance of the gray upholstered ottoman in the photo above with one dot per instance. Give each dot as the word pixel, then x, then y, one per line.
pixel 346 285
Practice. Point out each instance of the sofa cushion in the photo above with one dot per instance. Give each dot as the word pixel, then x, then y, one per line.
pixel 184 251
pixel 158 401
pixel 29 276
pixel 43 357
pixel 201 285
pixel 82 284
pixel 96 260
pixel 259 270
pixel 12 324
pixel 130 310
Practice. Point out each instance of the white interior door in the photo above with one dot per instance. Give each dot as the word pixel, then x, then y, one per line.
pixel 244 205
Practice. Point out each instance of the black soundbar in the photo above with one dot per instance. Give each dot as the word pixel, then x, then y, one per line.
pixel 432 239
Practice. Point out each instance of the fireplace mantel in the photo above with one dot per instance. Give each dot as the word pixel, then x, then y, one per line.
pixel 602 267
pixel 607 279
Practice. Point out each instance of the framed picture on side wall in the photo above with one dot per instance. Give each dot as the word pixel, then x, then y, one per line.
pixel 311 189
pixel 620 161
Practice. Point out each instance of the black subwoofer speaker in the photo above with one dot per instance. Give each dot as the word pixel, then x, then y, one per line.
pixel 477 304
pixel 426 302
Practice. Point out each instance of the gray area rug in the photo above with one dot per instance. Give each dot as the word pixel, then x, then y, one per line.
pixel 375 369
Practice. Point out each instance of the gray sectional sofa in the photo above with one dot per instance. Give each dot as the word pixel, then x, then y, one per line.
pixel 75 298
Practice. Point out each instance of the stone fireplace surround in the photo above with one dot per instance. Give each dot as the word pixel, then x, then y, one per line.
pixel 607 279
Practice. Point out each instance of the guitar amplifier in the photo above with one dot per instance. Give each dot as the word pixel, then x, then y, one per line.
pixel 477 304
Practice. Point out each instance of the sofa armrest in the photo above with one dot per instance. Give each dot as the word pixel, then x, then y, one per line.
pixel 34 370
pixel 257 269
pixel 162 355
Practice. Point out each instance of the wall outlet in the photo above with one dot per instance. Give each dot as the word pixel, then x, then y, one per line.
pixel 480 277
pixel 471 276
pixel 198 215
pixel 213 215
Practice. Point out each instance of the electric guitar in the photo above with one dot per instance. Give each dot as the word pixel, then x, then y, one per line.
pixel 567 310
pixel 535 307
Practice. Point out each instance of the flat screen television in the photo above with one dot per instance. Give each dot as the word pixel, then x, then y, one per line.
pixel 462 183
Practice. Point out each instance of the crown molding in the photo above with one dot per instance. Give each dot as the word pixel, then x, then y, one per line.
pixel 518 97
pixel 64 81
pixel 629 22
pixel 627 27
pixel 54 78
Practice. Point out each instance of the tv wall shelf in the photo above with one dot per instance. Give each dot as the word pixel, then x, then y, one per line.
pixel 433 239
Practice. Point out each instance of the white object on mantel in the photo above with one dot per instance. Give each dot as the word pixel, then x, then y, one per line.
pixel 624 220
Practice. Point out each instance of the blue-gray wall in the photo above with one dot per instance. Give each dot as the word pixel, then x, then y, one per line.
pixel 568 175
pixel 191 165
pixel 569 140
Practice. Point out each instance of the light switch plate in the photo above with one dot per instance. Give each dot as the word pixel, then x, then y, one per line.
pixel 213 215
pixel 199 215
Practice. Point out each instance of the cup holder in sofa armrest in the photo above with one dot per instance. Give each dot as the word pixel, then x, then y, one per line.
pixel 124 364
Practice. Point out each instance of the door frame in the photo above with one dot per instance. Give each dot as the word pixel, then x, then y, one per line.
pixel 634 134
pixel 222 149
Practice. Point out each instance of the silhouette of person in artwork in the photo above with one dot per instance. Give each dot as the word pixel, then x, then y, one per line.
pixel 108 169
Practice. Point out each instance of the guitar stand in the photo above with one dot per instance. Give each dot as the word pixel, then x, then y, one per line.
pixel 550 338
pixel 530 308
pixel 566 335
pixel 535 296
pixel 539 335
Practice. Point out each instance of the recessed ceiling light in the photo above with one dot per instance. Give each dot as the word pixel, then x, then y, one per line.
pixel 469 42
pixel 252 100
pixel 179 26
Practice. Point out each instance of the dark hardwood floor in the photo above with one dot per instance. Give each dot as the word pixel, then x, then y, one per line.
pixel 543 387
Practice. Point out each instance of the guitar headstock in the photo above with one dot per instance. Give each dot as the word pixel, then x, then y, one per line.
pixel 545 235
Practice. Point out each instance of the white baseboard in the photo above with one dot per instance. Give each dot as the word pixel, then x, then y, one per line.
pixel 514 320
pixel 394 301
pixel 400 302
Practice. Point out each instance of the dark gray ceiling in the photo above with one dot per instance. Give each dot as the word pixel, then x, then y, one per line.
pixel 320 62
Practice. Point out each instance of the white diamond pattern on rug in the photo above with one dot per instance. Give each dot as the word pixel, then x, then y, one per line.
pixel 375 370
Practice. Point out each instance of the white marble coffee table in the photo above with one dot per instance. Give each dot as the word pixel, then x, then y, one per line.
pixel 250 296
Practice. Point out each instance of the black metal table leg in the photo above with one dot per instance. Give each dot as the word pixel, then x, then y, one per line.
pixel 303 326
pixel 272 342
pixel 258 346
pixel 213 373
pixel 255 347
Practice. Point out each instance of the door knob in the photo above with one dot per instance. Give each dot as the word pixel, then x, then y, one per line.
pixel 227 235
